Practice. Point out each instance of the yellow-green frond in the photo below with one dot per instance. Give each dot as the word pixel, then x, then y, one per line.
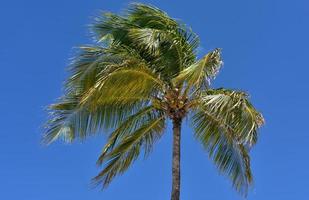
pixel 200 73
pixel 124 86
pixel 234 108
pixel 127 150
pixel 70 120
pixel 230 156
pixel 226 123
pixel 130 125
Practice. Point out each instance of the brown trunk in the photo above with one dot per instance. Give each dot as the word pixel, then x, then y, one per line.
pixel 176 159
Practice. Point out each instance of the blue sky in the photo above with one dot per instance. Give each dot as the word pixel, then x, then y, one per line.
pixel 265 45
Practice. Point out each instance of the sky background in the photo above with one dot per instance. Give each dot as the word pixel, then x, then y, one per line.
pixel 265 46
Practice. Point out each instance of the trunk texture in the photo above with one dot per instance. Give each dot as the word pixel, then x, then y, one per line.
pixel 176 160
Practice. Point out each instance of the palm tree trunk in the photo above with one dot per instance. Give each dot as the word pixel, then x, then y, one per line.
pixel 176 159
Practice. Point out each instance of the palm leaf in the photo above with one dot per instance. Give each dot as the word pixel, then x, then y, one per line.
pixel 165 40
pixel 71 120
pixel 123 86
pixel 230 156
pixel 233 108
pixel 201 72
pixel 128 149
pixel 226 123
pixel 131 124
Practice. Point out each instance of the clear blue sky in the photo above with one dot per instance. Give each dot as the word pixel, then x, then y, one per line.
pixel 265 46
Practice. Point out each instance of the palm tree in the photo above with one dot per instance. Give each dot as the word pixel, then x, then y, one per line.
pixel 143 71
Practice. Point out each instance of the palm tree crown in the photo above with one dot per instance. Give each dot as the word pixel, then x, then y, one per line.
pixel 142 71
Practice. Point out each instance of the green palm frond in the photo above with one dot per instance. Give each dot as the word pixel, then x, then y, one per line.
pixel 230 156
pixel 123 86
pixel 95 63
pixel 176 50
pixel 150 16
pixel 85 67
pixel 165 40
pixel 163 34
pixel 148 39
pixel 127 127
pixel 72 117
pixel 112 24
pixel 153 18
pixel 226 124
pixel 71 120
pixel 233 108
pixel 201 72
pixel 127 150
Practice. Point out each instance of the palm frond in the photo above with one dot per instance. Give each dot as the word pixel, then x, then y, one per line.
pixel 156 36
pixel 148 39
pixel 230 156
pixel 167 35
pixel 201 72
pixel 85 67
pixel 123 86
pixel 150 17
pixel 95 63
pixel 127 150
pixel 234 108
pixel 130 125
pixel 112 24
pixel 226 123
pixel 70 120
pixel 67 120
pixel 123 90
